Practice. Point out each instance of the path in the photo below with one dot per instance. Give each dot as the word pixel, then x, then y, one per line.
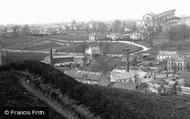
pixel 67 108
pixel 62 111
pixel 144 48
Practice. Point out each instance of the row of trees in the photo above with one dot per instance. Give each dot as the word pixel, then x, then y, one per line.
pixel 17 30
pixel 92 26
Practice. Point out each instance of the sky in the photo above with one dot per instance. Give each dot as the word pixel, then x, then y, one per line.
pixel 49 11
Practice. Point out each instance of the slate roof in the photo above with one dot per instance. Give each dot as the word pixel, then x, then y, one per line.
pixel 117 75
pixel 84 74
pixel 167 53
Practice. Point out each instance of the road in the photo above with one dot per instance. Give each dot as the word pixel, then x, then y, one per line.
pixel 144 48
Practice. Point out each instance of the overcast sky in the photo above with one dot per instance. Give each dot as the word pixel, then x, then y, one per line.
pixel 47 11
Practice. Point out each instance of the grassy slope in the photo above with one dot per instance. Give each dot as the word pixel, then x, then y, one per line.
pixel 27 43
pixel 17 95
pixel 76 35
pixel 11 57
pixel 14 41
pixel 38 43
pixel 109 102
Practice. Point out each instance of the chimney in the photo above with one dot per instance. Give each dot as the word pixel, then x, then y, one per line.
pixel 127 59
pixel 51 57
pixel 1 59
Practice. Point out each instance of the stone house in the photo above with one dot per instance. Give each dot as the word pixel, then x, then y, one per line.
pixel 163 55
pixel 93 51
pixel 93 37
pixel 65 59
pixel 176 63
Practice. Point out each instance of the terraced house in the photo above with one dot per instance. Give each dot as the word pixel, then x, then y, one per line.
pixel 176 63
pixel 163 55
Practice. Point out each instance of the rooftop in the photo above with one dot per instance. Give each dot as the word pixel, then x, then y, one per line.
pixel 66 56
pixel 120 74
pixel 167 53
pixel 84 74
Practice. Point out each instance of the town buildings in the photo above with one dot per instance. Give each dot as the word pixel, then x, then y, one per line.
pixel 163 55
pixel 176 63
pixel 137 36
pixel 88 77
pixel 93 51
pixel 121 76
pixel 61 60
pixel 113 36
pixel 93 37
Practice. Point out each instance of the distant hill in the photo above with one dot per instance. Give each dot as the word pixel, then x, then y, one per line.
pixel 105 102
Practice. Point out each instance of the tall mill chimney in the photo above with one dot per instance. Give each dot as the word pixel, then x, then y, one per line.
pixel 127 59
pixel 1 58
pixel 51 57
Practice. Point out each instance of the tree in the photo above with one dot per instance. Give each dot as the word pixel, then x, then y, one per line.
pixel 117 25
pixel 15 30
pixel 73 24
pixel 102 27
pixel 25 30
pixel 5 31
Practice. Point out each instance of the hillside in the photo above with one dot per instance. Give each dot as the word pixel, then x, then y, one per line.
pixel 104 102
pixel 18 96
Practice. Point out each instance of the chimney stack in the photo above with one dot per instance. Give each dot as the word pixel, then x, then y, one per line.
pixel 127 59
pixel 51 57
pixel 1 59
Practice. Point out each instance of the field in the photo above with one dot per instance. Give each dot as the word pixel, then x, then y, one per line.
pixel 108 103
pixel 27 43
pixel 11 57
pixel 110 48
pixel 77 35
